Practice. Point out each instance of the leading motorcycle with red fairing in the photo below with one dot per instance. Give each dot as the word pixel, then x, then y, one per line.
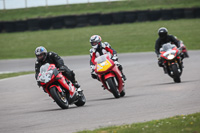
pixel 171 58
pixel 59 88
pixel 110 76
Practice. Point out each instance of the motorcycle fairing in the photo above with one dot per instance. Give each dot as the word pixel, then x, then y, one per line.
pixel 57 86
pixel 115 73
pixel 101 67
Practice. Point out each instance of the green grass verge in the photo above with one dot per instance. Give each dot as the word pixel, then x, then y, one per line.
pixel 125 5
pixel 177 124
pixel 8 75
pixel 132 37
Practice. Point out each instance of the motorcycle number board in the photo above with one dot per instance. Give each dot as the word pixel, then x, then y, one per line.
pixel 103 66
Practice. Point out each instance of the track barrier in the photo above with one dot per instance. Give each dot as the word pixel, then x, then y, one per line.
pixel 73 21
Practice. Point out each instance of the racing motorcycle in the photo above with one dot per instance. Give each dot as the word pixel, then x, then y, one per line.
pixel 52 81
pixel 170 56
pixel 110 76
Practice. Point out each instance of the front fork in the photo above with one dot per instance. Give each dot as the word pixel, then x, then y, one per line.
pixel 177 62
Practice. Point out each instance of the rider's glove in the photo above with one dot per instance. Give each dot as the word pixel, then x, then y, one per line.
pixel 62 69
pixel 92 67
pixel 114 57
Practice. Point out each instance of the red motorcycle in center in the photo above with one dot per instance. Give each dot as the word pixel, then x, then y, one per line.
pixel 170 56
pixel 110 76
pixel 53 83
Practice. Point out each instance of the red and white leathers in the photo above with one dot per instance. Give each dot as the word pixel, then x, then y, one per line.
pixel 103 48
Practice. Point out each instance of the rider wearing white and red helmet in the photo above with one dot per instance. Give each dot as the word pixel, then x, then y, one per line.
pixel 99 48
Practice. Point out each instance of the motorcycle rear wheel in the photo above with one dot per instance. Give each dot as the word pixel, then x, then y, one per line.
pixel 176 74
pixel 113 87
pixel 59 98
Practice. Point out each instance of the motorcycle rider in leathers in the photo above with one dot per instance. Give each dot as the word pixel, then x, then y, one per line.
pixel 53 58
pixel 99 48
pixel 165 38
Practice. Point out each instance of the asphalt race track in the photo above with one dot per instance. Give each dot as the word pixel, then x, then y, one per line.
pixel 150 95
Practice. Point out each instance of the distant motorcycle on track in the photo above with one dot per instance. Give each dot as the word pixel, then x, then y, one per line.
pixel 171 58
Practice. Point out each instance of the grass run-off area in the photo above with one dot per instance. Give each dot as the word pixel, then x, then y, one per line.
pixel 103 7
pixel 8 75
pixel 176 124
pixel 129 37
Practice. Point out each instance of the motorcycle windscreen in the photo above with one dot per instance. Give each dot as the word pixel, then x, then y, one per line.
pixel 104 66
pixel 45 74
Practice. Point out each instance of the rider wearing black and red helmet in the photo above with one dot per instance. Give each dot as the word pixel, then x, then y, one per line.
pixel 53 58
pixel 99 48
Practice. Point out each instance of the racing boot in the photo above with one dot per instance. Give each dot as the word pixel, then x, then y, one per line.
pixel 123 77
pixel 120 68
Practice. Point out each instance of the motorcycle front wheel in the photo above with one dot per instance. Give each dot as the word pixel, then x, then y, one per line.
pixel 59 98
pixel 176 74
pixel 113 87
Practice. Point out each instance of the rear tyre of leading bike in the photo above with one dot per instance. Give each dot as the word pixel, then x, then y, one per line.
pixel 59 98
pixel 176 74
pixel 113 88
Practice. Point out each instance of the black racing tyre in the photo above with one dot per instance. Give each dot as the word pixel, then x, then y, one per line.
pixel 113 87
pixel 176 74
pixel 59 98
pixel 81 100
pixel 122 93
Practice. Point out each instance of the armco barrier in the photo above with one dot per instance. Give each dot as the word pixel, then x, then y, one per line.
pixel 72 21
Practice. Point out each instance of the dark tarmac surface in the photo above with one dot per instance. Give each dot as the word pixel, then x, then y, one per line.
pixel 150 95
